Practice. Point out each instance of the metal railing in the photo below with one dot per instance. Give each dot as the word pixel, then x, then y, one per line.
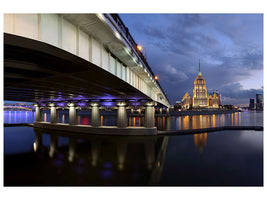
pixel 125 31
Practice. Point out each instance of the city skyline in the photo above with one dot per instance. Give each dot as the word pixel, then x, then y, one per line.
pixel 229 46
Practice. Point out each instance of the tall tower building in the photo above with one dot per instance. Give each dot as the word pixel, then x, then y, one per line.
pixel 251 104
pixel 259 105
pixel 200 98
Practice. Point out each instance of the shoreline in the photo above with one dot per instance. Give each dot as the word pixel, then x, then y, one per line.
pixel 201 112
pixel 130 131
pixel 189 113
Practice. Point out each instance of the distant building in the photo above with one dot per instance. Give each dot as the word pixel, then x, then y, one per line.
pixel 251 104
pixel 214 100
pixel 200 98
pixel 259 102
pixel 186 101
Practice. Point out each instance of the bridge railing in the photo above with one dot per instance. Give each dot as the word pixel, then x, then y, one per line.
pixel 141 58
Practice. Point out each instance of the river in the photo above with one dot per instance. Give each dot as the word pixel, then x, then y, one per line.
pixel 36 157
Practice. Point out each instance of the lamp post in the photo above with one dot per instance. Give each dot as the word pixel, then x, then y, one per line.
pixel 140 48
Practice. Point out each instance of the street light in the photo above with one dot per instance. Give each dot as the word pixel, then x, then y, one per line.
pixel 156 77
pixel 140 48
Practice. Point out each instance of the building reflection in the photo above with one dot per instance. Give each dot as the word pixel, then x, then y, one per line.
pixel 200 141
pixel 106 157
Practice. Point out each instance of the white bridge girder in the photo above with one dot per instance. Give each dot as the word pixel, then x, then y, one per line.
pixel 93 37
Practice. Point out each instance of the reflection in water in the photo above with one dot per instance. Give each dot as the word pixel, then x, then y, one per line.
pixel 53 145
pixel 186 122
pixel 72 146
pixel 162 123
pixel 213 121
pixel 102 158
pixel 200 141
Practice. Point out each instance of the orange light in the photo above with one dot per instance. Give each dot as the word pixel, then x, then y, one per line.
pixel 139 47
pixel 156 77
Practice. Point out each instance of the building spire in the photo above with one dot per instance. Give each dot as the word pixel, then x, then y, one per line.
pixel 199 72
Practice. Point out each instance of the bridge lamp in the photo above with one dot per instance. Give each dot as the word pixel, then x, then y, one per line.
pixel 139 47
pixel 156 77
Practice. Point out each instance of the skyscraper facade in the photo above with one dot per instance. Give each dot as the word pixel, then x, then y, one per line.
pixel 259 102
pixel 200 98
pixel 251 104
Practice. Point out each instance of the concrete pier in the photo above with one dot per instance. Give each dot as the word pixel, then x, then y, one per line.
pixel 54 113
pixel 122 115
pixel 38 114
pixel 95 116
pixel 73 119
pixel 149 115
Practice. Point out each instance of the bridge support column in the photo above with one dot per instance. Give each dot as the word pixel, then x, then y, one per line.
pixel 73 119
pixel 38 114
pixel 160 110
pixel 167 111
pixel 149 115
pixel 95 116
pixel 54 113
pixel 122 115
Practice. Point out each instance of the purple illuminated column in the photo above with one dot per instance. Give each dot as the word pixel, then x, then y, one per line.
pixel 122 115
pixel 54 113
pixel 73 119
pixel 150 115
pixel 96 117
pixel 38 113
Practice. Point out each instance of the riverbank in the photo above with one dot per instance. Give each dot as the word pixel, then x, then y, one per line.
pixel 201 112
pixel 130 131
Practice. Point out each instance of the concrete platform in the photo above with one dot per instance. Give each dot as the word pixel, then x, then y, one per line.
pixel 101 130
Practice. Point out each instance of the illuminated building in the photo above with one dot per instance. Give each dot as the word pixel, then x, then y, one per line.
pixel 200 98
pixel 186 101
pixel 214 100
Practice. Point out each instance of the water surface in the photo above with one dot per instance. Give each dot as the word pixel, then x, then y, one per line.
pixel 232 158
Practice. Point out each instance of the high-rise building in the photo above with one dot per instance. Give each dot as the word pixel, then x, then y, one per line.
pixel 259 102
pixel 200 98
pixel 251 104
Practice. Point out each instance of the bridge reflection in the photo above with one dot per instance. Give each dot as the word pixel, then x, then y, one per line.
pixel 105 160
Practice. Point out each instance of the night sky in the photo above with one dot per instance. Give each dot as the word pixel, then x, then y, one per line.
pixel 229 46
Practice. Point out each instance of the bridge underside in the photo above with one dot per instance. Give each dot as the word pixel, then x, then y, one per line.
pixel 37 72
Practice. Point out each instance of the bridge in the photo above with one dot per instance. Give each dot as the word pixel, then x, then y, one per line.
pixel 77 60
pixel 18 108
